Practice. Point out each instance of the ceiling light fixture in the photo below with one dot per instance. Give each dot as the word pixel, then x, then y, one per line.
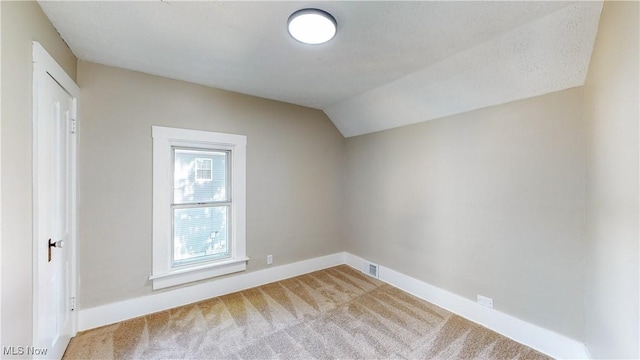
pixel 312 26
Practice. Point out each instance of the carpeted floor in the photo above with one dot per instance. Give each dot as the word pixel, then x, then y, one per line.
pixel 332 313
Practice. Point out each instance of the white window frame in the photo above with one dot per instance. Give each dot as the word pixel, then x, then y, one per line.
pixel 164 139
pixel 200 161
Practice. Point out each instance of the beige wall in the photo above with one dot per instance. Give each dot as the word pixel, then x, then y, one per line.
pixel 612 116
pixel 22 22
pixel 489 202
pixel 294 174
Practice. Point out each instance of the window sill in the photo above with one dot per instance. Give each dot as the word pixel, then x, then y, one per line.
pixel 198 272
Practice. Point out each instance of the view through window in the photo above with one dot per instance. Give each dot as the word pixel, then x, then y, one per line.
pixel 200 205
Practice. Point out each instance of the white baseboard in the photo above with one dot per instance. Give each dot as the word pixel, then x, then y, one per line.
pixel 546 341
pixel 128 309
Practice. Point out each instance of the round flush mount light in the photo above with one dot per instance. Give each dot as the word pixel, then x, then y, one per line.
pixel 312 26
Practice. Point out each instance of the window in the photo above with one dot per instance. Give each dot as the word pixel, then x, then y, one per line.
pixel 198 205
pixel 204 169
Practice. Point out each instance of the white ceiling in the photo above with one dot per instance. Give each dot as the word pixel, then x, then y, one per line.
pixel 391 63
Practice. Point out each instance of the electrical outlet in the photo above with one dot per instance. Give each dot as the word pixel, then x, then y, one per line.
pixel 485 301
pixel 269 259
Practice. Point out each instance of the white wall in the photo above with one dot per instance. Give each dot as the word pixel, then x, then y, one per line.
pixel 22 22
pixel 612 117
pixel 488 202
pixel 294 174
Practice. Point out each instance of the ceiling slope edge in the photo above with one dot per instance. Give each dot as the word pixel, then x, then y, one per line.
pixel 544 56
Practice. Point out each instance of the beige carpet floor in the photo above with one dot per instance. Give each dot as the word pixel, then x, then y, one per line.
pixel 336 313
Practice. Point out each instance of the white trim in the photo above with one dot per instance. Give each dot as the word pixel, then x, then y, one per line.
pixel 198 272
pixel 546 341
pixel 1 191
pixel 42 58
pixel 111 313
pixel 164 138
pixel 73 232
pixel 45 65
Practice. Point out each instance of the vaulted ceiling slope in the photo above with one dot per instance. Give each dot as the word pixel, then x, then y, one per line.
pixel 391 63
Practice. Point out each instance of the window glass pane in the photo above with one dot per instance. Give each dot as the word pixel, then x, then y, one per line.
pixel 200 234
pixel 199 176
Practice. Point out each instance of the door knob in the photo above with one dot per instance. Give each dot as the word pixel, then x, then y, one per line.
pixel 58 244
pixel 52 244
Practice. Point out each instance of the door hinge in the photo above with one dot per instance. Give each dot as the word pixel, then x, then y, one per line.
pixel 72 125
pixel 73 303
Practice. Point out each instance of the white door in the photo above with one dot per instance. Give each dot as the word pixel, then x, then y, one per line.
pixel 53 205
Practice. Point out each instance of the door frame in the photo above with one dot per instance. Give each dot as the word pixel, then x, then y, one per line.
pixel 44 65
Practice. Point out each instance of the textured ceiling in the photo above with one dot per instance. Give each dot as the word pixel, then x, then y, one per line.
pixel 391 63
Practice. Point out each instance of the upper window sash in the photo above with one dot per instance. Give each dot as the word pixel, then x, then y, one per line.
pixel 185 175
